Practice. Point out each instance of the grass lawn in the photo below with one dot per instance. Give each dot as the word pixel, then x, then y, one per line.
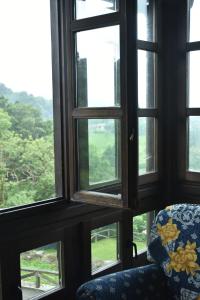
pixel 106 249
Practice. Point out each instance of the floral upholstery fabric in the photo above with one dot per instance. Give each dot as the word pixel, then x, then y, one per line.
pixel 144 283
pixel 175 246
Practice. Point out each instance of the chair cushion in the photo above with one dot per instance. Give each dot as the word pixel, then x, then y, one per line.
pixel 143 283
pixel 175 246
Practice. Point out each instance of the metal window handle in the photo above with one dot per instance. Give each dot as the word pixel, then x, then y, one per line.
pixel 131 138
pixel 132 244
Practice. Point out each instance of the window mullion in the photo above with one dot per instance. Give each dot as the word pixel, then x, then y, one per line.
pixel 129 102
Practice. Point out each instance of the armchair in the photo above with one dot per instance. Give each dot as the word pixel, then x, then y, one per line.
pixel 174 249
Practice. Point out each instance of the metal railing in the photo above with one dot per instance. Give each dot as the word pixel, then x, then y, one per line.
pixel 103 234
pixel 40 274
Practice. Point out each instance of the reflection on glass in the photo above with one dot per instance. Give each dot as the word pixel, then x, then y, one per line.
pixel 146 79
pixel 145 20
pixel 147 145
pixel 40 270
pixel 194 73
pixel 26 106
pixel 194 144
pixel 194 34
pixel 140 232
pixel 98 67
pixel 104 246
pixel 90 8
pixel 99 152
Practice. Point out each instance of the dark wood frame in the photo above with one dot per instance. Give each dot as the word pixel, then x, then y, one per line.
pixel 32 225
pixel 188 185
pixel 127 113
pixel 152 47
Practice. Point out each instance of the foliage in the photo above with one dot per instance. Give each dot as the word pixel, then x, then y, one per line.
pixel 41 104
pixel 26 155
pixel 139 228
pixel 27 149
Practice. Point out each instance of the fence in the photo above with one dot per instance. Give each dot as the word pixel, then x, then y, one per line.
pixel 38 274
pixel 103 234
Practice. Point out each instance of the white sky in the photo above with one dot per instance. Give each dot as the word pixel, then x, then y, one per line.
pixel 25 46
pixel 25 50
pixel 88 8
pixel 101 48
pixel 194 57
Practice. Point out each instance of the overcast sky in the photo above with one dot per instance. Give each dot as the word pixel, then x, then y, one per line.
pixel 25 46
pixel 25 49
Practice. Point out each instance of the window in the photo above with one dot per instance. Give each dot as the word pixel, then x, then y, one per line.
pixel 97 125
pixel 98 106
pixel 193 123
pixel 89 8
pixel 41 270
pixel 147 92
pixel 103 60
pixel 141 230
pixel 27 144
pixel 191 166
pixel 75 138
pixel 99 152
pixel 104 247
pixel 146 20
pixel 194 10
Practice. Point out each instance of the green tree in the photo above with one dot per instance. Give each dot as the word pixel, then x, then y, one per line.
pixel 27 121
pixel 5 125
pixel 26 155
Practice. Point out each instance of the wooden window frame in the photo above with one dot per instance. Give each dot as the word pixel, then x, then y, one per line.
pixel 23 226
pixel 64 26
pixel 188 182
pixel 152 47
pixel 126 113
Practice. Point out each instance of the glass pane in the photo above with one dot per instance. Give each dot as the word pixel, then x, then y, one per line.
pixel 99 152
pixel 147 145
pixel 98 67
pixel 27 171
pixel 90 8
pixel 194 144
pixel 140 224
pixel 194 73
pixel 145 19
pixel 40 270
pixel 146 79
pixel 194 34
pixel 104 246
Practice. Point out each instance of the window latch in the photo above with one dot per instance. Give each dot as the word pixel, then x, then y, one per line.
pixel 131 138
pixel 134 246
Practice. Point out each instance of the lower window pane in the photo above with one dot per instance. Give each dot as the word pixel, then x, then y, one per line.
pixel 141 230
pixel 147 145
pixel 28 161
pixel 104 246
pixel 194 144
pixel 98 152
pixel 40 270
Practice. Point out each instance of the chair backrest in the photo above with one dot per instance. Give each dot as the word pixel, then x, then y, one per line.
pixel 175 246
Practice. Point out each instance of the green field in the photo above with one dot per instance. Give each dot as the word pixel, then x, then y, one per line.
pixel 106 249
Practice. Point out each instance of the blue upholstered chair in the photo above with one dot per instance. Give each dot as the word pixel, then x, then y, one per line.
pixel 174 272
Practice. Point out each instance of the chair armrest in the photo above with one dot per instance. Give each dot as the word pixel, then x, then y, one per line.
pixel 138 283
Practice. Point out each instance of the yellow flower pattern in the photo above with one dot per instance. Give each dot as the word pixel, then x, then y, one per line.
pixel 184 259
pixel 168 232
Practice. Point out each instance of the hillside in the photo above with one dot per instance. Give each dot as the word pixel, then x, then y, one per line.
pixel 44 105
